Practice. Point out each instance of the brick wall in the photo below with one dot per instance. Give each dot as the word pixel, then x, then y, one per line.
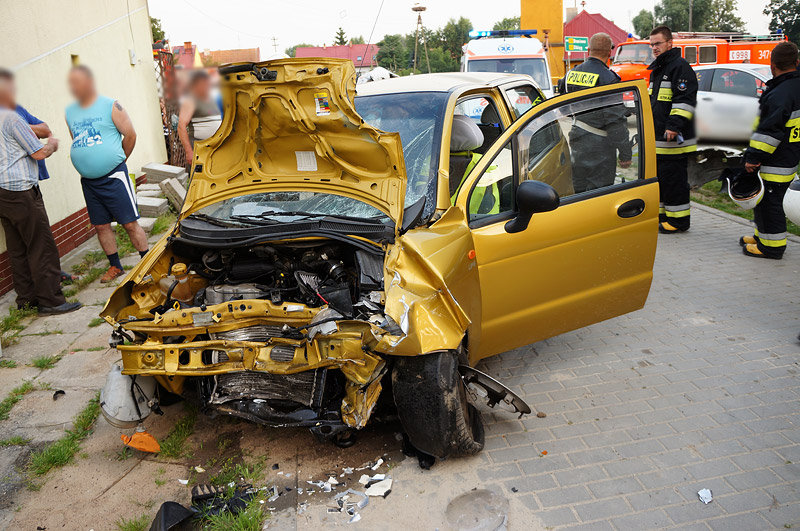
pixel 68 233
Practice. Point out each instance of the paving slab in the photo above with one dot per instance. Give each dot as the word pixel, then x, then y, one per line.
pixel 80 370
pixel 40 418
pixel 152 207
pixel 147 223
pixel 174 191
pixel 29 348
pixel 158 172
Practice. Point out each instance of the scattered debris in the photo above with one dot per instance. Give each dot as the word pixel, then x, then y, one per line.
pixel 377 464
pixel 58 394
pixel 541 414
pixel 275 495
pixel 355 518
pixel 183 481
pixel 705 495
pixel 381 488
pixel 332 481
pixel 275 466
pixel 170 515
pixel 211 500
pixel 199 469
pixel 347 470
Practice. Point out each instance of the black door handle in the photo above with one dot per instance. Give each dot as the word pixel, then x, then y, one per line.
pixel 631 209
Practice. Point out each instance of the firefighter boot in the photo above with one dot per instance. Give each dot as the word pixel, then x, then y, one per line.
pixel 747 240
pixel 751 249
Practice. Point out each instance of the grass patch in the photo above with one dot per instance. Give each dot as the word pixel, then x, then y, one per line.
pixel 10 325
pixel 95 349
pixel 124 245
pixel 251 518
pixel 13 397
pixel 97 321
pixel 163 222
pixel 61 452
pixel 14 441
pixel 141 523
pixel 174 444
pixel 45 362
pixel 7 364
pixel 87 278
pixel 88 260
pixel 709 195
pixel 230 472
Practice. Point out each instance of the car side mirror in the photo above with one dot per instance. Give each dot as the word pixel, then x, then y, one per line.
pixel 532 197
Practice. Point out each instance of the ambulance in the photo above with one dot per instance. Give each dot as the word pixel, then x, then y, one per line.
pixel 632 58
pixel 509 51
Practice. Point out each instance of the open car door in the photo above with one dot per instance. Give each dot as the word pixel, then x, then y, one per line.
pixel 584 255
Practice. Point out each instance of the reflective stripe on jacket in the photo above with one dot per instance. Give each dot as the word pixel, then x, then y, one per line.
pixel 479 193
pixel 673 97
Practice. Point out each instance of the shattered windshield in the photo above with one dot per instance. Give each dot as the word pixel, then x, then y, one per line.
pixel 634 53
pixel 291 206
pixel 418 117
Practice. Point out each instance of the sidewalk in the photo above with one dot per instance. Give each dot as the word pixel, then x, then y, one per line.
pixel 697 390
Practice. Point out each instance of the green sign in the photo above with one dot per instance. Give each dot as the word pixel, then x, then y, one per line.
pixel 576 44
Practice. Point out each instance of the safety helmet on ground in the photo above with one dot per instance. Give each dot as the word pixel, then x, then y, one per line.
pixel 745 188
pixel 791 202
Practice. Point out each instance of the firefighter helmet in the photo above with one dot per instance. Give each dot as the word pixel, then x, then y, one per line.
pixel 745 188
pixel 791 202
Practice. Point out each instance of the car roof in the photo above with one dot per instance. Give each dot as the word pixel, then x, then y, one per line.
pixel 754 68
pixel 440 82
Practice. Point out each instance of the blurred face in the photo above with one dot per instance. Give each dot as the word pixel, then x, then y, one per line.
pixel 202 89
pixel 659 44
pixel 80 85
pixel 8 92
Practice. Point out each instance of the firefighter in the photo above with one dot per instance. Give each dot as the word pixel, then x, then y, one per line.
pixel 774 152
pixel 596 138
pixel 673 96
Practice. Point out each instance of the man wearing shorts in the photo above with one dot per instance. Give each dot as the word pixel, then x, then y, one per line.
pixel 102 140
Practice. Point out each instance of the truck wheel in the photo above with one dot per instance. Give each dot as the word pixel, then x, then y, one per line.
pixel 433 408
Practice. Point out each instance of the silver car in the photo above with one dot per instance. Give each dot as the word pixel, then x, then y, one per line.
pixel 727 100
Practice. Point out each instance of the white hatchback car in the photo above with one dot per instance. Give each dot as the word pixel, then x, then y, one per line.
pixel 727 100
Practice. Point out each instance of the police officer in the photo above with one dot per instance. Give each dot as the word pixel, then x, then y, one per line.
pixel 598 135
pixel 673 96
pixel 774 152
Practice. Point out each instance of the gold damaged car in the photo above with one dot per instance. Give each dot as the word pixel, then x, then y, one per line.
pixel 344 248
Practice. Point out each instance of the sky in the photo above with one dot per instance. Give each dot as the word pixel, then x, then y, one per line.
pixel 223 24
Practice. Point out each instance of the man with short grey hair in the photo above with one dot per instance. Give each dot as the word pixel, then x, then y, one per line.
pixel 32 251
pixel 598 136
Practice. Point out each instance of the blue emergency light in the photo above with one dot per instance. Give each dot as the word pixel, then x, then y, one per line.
pixel 475 34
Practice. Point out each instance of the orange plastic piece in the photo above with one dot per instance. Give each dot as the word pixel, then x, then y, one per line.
pixel 471 254
pixel 142 441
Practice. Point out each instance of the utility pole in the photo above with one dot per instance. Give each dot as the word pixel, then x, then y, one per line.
pixel 691 8
pixel 274 44
pixel 420 28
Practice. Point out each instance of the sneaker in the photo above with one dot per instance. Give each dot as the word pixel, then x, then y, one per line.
pixel 62 308
pixel 665 228
pixel 112 273
pixel 747 240
pixel 752 249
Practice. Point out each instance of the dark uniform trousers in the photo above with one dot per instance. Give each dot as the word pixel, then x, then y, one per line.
pixel 770 220
pixel 673 182
pixel 594 160
pixel 32 251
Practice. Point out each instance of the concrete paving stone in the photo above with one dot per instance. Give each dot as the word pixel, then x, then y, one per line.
pixel 609 438
pixel 147 223
pixel 509 470
pixel 29 348
pixel 640 433
pixel 789 471
pixel 739 521
pixel 680 457
pixel 11 378
pixel 531 483
pixel 653 519
pixel 786 516
pixel 745 501
pixel 629 467
pixel 40 418
pixel 693 511
pixel 148 193
pixel 588 527
pixel 83 369
pixel 547 463
pixel 592 456
pixel 148 187
pixel 712 469
pixel 758 459
pixel 563 496
pixel 755 479
pixel 552 518
pixel 152 206
pixel 614 487
pixel 639 448
pixel 580 476
pixel 720 449
pixel 664 497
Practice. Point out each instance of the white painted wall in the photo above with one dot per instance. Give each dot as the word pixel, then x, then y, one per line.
pixel 37 40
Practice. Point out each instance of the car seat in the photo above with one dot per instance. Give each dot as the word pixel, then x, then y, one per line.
pixel 465 138
pixel 490 126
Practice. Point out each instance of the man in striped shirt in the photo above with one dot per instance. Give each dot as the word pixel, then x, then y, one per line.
pixel 32 251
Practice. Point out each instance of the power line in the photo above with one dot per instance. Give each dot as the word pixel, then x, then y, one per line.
pixel 369 41
pixel 216 20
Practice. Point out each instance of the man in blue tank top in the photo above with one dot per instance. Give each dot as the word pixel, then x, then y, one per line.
pixel 102 140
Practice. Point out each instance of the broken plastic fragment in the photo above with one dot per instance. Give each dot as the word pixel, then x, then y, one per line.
pixel 346 495
pixel 199 469
pixel 356 517
pixel 377 464
pixel 705 495
pixel 381 488
pixel 183 481
pixel 275 494
pixel 348 470
pixel 332 481
pixel 364 479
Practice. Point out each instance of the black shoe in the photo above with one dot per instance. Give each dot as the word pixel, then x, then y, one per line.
pixel 62 308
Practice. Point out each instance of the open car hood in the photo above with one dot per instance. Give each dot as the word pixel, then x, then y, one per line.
pixel 290 125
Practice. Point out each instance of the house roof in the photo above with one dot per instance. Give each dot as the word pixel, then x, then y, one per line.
pixel 184 55
pixel 358 53
pixel 233 56
pixel 586 24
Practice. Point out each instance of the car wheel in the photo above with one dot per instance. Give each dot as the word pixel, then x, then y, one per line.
pixel 432 405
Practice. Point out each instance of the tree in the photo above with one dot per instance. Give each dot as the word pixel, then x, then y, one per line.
pixel 440 61
pixel 675 14
pixel 158 31
pixel 393 53
pixel 723 17
pixel 455 34
pixel 290 51
pixel 510 23
pixel 357 40
pixel 340 39
pixel 643 23
pixel 785 16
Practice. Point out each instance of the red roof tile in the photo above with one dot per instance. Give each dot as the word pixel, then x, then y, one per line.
pixel 587 24
pixel 355 52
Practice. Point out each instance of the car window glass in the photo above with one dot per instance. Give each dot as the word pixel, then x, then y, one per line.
pixel 728 81
pixel 704 78
pixel 579 148
pixel 522 98
pixel 690 54
pixel 708 54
